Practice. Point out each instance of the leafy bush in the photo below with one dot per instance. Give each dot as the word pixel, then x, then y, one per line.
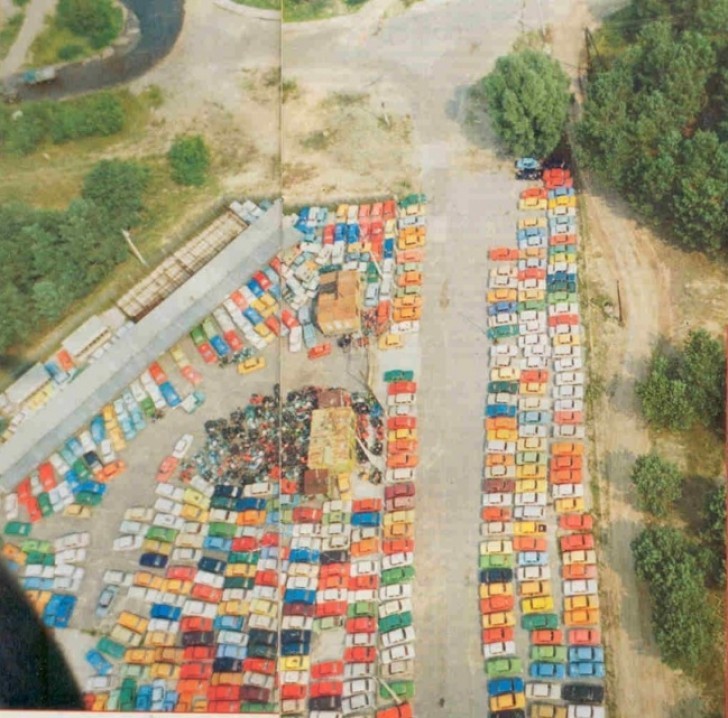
pixel 713 534
pixel 70 52
pixel 99 21
pixel 118 188
pixel 658 483
pixel 664 395
pixel 189 159
pixel 527 97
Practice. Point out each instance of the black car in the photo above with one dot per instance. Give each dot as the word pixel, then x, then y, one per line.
pixel 227 665
pixel 496 575
pixel 299 609
pixel 258 650
pixel 339 556
pixel 582 693
pixel 198 638
pixel 229 492
pixel 259 636
pixel 91 459
pixel 296 648
pixel 153 560
pixel 528 174
pixel 325 703
pixel 212 565
pixel 295 636
pixel 510 713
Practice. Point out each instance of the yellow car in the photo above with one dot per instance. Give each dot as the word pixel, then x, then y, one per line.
pixel 100 701
pixel 156 639
pixel 410 241
pixel 390 341
pixel 117 439
pixel 293 663
pixel 505 373
pixel 533 388
pixel 563 201
pixel 109 416
pixel 196 498
pixel 165 671
pixel 503 435
pixel 264 607
pixel 233 608
pixel 507 701
pixel 258 305
pixel 78 511
pixel 501 619
pixel 194 513
pixel 529 222
pixel 531 443
pixel 582 617
pixel 180 358
pixel 544 710
pixel 487 590
pixel 145 579
pixel 538 203
pixel 251 365
pixel 585 556
pixel 526 486
pixel 154 546
pixel 406 314
pixel 133 622
pixel 527 295
pixel 395 517
pixel 590 600
pixel 537 604
pixel 241 570
pixel 572 504
pixel 535 588
pixel 177 586
pixel 495 547
pixel 262 331
pixel 567 340
pixel 408 434
pixel 527 528
pixel 411 301
pixel 341 212
pixel 502 295
pixel 533 472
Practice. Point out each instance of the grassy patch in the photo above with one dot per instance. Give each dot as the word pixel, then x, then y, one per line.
pixel 318 140
pixel 305 10
pixel 9 32
pixel 262 4
pixel 289 89
pixel 54 42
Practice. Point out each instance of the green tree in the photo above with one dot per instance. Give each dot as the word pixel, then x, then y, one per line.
pixel 658 483
pixel 99 21
pixel 527 97
pixel 14 316
pixel 49 301
pixel 703 371
pixel 664 396
pixel 118 187
pixel 189 160
pixel 714 532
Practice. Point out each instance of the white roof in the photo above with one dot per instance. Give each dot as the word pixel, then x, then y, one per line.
pixel 88 332
pixel 34 379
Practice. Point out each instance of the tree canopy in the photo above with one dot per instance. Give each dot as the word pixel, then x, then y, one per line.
pixel 189 160
pixel 658 483
pixel 97 20
pixel 527 97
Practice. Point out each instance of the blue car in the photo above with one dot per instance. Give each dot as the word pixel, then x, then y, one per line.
pixel 227 664
pixel 217 543
pixel 339 232
pixel 309 336
pixel 212 565
pixel 75 447
pixel 542 669
pixel 561 192
pixel 586 653
pixel 100 665
pixel 561 277
pixel 295 649
pixel 527 163
pixel 159 691
pixel 493 411
pixel 169 394
pixel 299 595
pixel 586 669
pixel 137 418
pixel 253 316
pixel 304 555
pixel 229 650
pixel 67 455
pixel 127 427
pixel 499 686
pixel 522 235
pixel 269 552
pixel 144 698
pixel 352 233
pixel 388 248
pixel 35 583
pixel 227 491
pixel 367 518
pixel 275 291
pixel 249 502
pixel 220 346
pixel 170 701
pixel 152 559
pixel 98 429
pixel 532 558
pixel 255 288
pixel 58 610
pixel 228 623
pixel 534 417
pixel 92 487
pixel 163 610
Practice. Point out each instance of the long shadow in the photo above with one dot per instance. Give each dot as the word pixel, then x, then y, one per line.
pixel 160 23
pixel 469 112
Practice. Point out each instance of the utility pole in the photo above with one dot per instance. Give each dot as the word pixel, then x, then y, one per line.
pixel 133 248
pixel 619 305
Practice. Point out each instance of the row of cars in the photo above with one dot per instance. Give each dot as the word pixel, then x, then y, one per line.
pixel 534 423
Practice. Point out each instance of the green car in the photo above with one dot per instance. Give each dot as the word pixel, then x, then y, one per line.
pixel 127 693
pixel 110 647
pixel 17 528
pixel 552 654
pixel 134 671
pixel 327 623
pixel 409 291
pixel 220 529
pixel 536 305
pixel 508 387
pixel 243 557
pixel 238 582
pixel 337 517
pixel 403 689
pixel 36 545
pixel 559 249
pixel 503 331
pixel 401 574
pixel 44 502
pixel 563 285
pixel 38 558
pixel 86 498
pixel 159 533
pixel 496 667
pixel 530 457
pixel 362 608
pixel 556 297
pixel 222 502
pixel 496 560
pixel 411 199
pixel 198 335
pixel 82 471
pixel 398 375
pixel 112 704
pixel 259 708
pixel 537 621
pixel 286 516
pixel 396 620
pixel 148 408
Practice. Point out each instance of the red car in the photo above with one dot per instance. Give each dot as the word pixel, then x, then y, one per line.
pixel 23 491
pixel 269 539
pixel 532 273
pixel 191 374
pixel 195 623
pixel 275 265
pixel 568 417
pixel 376 210
pixel 364 211
pixel 33 508
pixel 326 688
pixel 326 669
pixel 321 350
pixel 273 324
pixel 268 577
pixel 584 637
pixel 406 488
pixel 289 319
pixel 207 353
pixel 538 192
pixel 157 373
pixel 494 604
pixel 566 476
pixel 244 543
pixel 357 583
pixel 198 671
pixel 233 340
pixel 239 299
pixel 495 513
pixel 262 280
pixel 400 503
pixel 364 505
pixel 529 543
pixel 206 593
pixel 307 515
pixel 408 446
pixel 293 691
pixel 299 609
pixel 47 475
pixel 579 570
pixel 389 209
pixel 333 582
pixel 503 254
pixel 364 624
pixel 576 522
pixel 223 693
pixel 222 706
pixel 577 542
pixel 334 569
pixel 260 665
pixel 183 573
pixel 499 486
pixel 360 654
pixel 536 376
pixel 167 468
pixel 402 422
pixel 403 710
pixel 328 234
pixel 198 653
pixel 256 694
pixel 191 686
pixel 331 608
pixel 547 638
pixel 498 635
pixel 390 546
pixel 401 387
pixel 559 319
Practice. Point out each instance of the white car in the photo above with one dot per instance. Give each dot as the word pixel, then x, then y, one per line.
pixel 502 398
pixel 360 639
pixel 586 712
pixel 569 391
pixel 503 283
pixel 193 607
pixel 10 506
pixel 406 327
pixel 64 570
pixel 532 283
pixel 502 648
pixel 38 571
pixel 534 403
pixel 502 447
pixel 531 499
pixel 531 340
pixel 117 578
pixel 308 529
pixel 306 570
pixel 259 488
pixel 579 587
pixel 297 623
pixel 566 350
pixel 364 568
pixel 572 378
pixel 399 670
pixel 568 405
pixel 139 513
pixel 71 555
pixel 395 475
pixel 567 364
pixel 359 702
pixel 397 559
pixel 401 652
pixel 182 446
pixel 209 579
pixel 204 487
pixel 533 573
pixel 59 463
pixel 308 584
pixel 361 534
pixel 537 430
pixel 99 683
pixel 127 543
pixel 568 431
pixel 165 506
pixel 500 472
pixel 395 592
pixel 563 308
pixel 87 442
pixel 537 350
pixel 135 528
pixel 359 685
pixel 496 528
pixel 532 315
pixel 397 636
pixel 497 499
pixel 388 608
pixel 502 318
pixel 356 670
pixel 529 512
pixel 266 623
pixel 544 691
pixel 186 554
pixel 406 399
pixel 332 594
pixel 506 350
pixel 168 521
pixel 563 491
pixel 173 493
pixel 363 594
pixel 534 362
pixel 107 451
pixel 503 271
pixel 80 539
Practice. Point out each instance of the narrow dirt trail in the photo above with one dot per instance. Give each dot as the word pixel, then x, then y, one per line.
pixel 35 14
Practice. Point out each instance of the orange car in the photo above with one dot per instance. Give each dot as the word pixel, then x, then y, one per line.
pixel 333 582
pixel 528 252
pixel 577 542
pixel 399 530
pixel 406 314
pixel 569 417
pixel 538 376
pixel 534 192
pixel 584 637
pixel 559 319
pixel 557 239
pixel 167 468
pixel 365 547
pixel 495 513
pixel 566 476
pixel 566 462
pixel 391 546
pixel 402 446
pixel 576 522
pixel 500 460
pixel 503 254
pixel 531 273
pixel 547 638
pixel 496 603
pixel 579 570
pixel 567 449
pixel 410 255
pixel 529 543
pixel 251 517
pixel 501 422
pixel 363 582
pixel 321 350
pixel 409 278
pixel 498 635
pixel 111 470
pixel 581 617
pixel 401 461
